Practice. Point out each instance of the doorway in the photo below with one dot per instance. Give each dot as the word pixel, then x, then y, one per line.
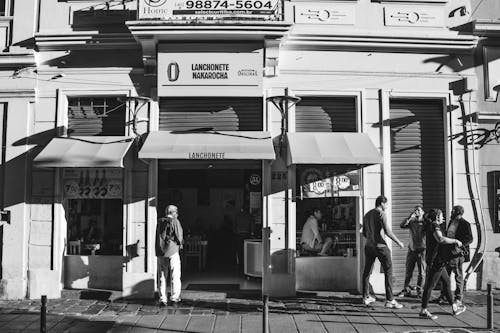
pixel 220 211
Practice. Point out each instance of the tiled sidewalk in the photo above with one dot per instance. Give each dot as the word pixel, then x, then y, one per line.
pixel 214 312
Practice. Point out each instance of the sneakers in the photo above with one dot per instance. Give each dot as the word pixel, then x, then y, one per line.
pixel 458 308
pixel 175 300
pixel 405 293
pixel 440 300
pixel 393 304
pixel 368 300
pixel 426 314
pixel 162 304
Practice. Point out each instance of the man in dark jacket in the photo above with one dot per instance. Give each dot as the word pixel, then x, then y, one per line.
pixel 460 229
pixel 169 238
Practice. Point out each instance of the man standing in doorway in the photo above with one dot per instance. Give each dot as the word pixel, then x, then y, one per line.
pixel 168 242
pixel 416 250
pixel 375 247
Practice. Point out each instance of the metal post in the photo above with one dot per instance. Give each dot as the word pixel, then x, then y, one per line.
pixel 489 307
pixel 43 315
pixel 265 314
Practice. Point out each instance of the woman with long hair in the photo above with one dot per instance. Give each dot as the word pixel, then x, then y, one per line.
pixel 437 263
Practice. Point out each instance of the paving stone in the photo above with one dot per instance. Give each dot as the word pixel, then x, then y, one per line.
pixel 201 324
pixel 149 321
pixel 251 324
pixel 175 323
pixel 336 323
pixel 227 324
pixel 309 323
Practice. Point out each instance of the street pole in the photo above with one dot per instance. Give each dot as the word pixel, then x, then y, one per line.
pixel 489 306
pixel 43 315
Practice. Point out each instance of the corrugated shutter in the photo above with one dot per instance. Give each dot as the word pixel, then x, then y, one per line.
pixel 217 113
pixel 417 167
pixel 96 116
pixel 326 114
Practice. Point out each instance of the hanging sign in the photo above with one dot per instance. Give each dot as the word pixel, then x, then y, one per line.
pixel 93 183
pixel 316 184
pixel 209 9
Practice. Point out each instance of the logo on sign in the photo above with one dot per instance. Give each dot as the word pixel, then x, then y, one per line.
pixel 255 179
pixel 155 3
pixel 173 71
pixel 343 182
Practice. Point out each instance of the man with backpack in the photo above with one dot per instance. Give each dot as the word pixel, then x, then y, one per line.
pixel 168 243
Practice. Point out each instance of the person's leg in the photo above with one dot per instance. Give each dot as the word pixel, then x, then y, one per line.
pixel 431 279
pixel 326 246
pixel 459 279
pixel 411 258
pixel 384 256
pixel 369 260
pixel 446 285
pixel 175 275
pixel 162 278
pixel 421 270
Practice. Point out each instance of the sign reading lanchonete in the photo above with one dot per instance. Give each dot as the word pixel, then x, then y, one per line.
pixel 209 9
pixel 195 73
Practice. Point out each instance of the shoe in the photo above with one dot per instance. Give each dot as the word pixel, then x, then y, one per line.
pixel 426 314
pixel 458 308
pixel 162 304
pixel 405 293
pixel 368 300
pixel 175 300
pixel 393 304
pixel 439 300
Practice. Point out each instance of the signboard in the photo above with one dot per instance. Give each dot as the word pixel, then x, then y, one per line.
pixel 316 184
pixel 179 73
pixel 189 10
pixel 93 183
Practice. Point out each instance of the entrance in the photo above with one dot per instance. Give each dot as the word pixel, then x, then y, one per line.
pixel 221 215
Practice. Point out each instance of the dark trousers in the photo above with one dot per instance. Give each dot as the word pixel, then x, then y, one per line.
pixel 437 271
pixel 413 258
pixel 383 254
pixel 455 266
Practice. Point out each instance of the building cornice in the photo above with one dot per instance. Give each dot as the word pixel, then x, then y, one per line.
pixel 16 60
pixel 486 28
pixel 70 40
pixel 390 41
pixel 225 30
pixel 16 93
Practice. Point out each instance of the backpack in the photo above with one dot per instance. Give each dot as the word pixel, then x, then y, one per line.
pixel 167 233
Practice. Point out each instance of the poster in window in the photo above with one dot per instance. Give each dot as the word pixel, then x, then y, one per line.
pixel 318 183
pixel 93 183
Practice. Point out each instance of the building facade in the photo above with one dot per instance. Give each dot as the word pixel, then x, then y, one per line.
pixel 113 110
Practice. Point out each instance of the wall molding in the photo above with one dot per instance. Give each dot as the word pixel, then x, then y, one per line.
pixel 69 40
pixel 17 93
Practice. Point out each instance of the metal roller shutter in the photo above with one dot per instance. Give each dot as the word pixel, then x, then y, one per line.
pixel 88 116
pixel 326 114
pixel 217 113
pixel 417 168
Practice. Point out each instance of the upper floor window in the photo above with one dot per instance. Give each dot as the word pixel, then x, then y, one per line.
pixel 96 116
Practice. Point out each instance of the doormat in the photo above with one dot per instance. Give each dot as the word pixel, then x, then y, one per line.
pixel 213 286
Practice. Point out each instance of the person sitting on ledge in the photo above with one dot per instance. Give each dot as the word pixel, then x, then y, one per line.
pixel 311 240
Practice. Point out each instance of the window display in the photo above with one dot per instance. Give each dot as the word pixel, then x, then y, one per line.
pixel 327 204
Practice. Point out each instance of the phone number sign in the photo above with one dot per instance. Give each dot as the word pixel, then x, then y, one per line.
pixel 93 183
pixel 209 9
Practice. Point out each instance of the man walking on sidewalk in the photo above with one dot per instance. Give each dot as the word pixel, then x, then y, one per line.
pixel 375 247
pixel 416 250
pixel 168 242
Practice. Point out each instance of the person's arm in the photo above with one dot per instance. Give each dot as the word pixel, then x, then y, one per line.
pixel 405 224
pixel 467 239
pixel 389 232
pixel 180 233
pixel 441 239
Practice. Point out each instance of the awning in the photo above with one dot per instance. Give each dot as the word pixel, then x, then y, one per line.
pixel 84 152
pixel 332 148
pixel 211 145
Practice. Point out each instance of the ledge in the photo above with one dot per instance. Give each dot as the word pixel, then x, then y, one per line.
pixel 70 40
pixel 486 28
pixel 226 30
pixel 16 60
pixel 391 41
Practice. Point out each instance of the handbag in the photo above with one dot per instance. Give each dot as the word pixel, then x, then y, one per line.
pixel 450 251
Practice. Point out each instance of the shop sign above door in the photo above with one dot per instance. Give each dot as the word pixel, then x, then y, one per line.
pixel 92 183
pixel 188 10
pixel 206 73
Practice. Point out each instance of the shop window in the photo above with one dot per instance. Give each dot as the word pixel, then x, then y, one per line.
pixel 94 211
pixel 96 116
pixel 326 114
pixel 335 192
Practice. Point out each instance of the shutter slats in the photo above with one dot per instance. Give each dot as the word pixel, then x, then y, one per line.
pixel 84 120
pixel 219 113
pixel 326 114
pixel 417 167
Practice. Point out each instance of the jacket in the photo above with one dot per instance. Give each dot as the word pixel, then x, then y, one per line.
pixel 168 244
pixel 464 234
